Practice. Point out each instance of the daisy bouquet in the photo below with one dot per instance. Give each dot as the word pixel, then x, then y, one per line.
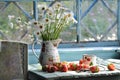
pixel 52 20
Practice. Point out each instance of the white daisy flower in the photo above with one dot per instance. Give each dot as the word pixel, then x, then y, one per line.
pixel 37 33
pixel 41 27
pixel 35 24
pixel 10 17
pixel 47 21
pixel 11 25
pixel 57 5
pixel 18 20
pixel 50 11
pixel 41 8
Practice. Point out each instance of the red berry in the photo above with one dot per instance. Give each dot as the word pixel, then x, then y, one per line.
pixel 70 66
pixel 64 68
pixel 111 67
pixel 79 66
pixel 49 69
pixel 94 69
pixel 54 68
pixel 81 61
pixel 85 67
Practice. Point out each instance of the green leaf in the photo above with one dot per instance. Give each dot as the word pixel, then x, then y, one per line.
pixel 91 64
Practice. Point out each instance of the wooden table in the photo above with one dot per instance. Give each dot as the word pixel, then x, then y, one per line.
pixel 35 73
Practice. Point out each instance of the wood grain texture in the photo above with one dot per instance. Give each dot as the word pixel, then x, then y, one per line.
pixel 13 62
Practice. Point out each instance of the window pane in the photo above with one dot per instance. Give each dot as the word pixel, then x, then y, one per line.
pixel 100 23
pixel 69 34
pixel 9 29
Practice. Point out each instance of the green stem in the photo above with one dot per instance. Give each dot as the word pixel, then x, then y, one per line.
pixel 59 20
pixel 57 33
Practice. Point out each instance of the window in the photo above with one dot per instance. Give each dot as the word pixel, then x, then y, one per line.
pixel 97 22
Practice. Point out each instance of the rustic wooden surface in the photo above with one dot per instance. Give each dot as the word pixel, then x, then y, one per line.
pixel 35 73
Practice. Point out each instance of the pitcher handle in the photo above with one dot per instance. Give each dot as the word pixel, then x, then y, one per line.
pixel 33 50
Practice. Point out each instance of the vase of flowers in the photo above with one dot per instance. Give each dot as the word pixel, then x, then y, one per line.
pixel 52 20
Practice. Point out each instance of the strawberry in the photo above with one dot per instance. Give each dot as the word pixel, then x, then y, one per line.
pixel 60 66
pixel 111 67
pixel 79 66
pixel 54 68
pixel 81 61
pixel 64 68
pixel 70 66
pixel 85 67
pixel 74 67
pixel 49 69
pixel 94 69
pixel 57 65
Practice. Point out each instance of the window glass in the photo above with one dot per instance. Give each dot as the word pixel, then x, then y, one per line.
pixel 9 16
pixel 100 24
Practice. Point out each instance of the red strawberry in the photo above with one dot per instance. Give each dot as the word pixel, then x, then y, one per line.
pixel 54 68
pixel 60 66
pixel 57 65
pixel 74 67
pixel 79 66
pixel 111 67
pixel 70 66
pixel 85 67
pixel 94 69
pixel 49 69
pixel 81 61
pixel 64 68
